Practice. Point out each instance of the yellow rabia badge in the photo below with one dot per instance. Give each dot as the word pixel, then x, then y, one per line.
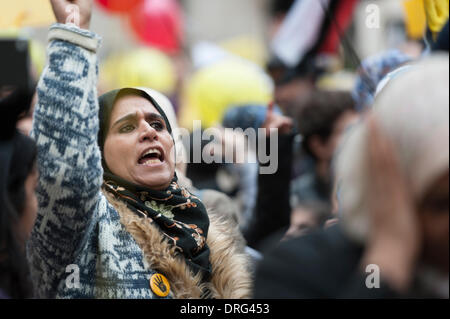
pixel 160 285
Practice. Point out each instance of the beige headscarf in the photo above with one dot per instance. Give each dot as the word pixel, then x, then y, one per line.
pixel 413 111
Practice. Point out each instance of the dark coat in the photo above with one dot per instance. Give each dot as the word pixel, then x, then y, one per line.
pixel 323 264
pixel 272 211
pixel 3 295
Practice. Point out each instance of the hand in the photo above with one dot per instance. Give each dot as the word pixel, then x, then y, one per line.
pixel 276 121
pixel 394 241
pixel 77 12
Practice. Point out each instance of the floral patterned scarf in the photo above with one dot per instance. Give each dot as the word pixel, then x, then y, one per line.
pixel 181 217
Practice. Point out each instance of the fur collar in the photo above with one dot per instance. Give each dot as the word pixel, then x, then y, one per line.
pixel 230 266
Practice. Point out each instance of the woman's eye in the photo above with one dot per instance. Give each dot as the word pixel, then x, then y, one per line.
pixel 127 128
pixel 157 126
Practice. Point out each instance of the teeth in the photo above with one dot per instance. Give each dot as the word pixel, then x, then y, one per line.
pixel 152 161
pixel 152 151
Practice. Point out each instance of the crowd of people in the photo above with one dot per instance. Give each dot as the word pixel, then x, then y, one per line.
pixel 101 182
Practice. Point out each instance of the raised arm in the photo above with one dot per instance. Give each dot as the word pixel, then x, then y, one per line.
pixel 65 128
pixel 272 210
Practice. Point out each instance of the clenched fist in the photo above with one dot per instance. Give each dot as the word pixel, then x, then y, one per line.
pixel 77 12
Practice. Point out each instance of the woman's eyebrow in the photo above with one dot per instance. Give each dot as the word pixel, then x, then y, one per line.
pixel 125 119
pixel 133 117
pixel 154 116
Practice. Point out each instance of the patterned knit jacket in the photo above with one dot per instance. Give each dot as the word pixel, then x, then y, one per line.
pixel 86 244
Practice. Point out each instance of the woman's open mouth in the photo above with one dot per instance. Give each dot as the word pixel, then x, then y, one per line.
pixel 151 156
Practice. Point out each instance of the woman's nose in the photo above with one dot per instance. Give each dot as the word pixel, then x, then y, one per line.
pixel 147 132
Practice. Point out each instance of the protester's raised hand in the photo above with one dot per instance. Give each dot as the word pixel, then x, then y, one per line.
pixel 276 121
pixel 394 241
pixel 77 12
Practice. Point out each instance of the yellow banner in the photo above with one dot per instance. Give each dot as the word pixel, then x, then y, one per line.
pixel 25 13
pixel 415 18
pixel 437 12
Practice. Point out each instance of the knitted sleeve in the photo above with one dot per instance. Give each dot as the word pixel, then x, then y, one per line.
pixel 65 128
